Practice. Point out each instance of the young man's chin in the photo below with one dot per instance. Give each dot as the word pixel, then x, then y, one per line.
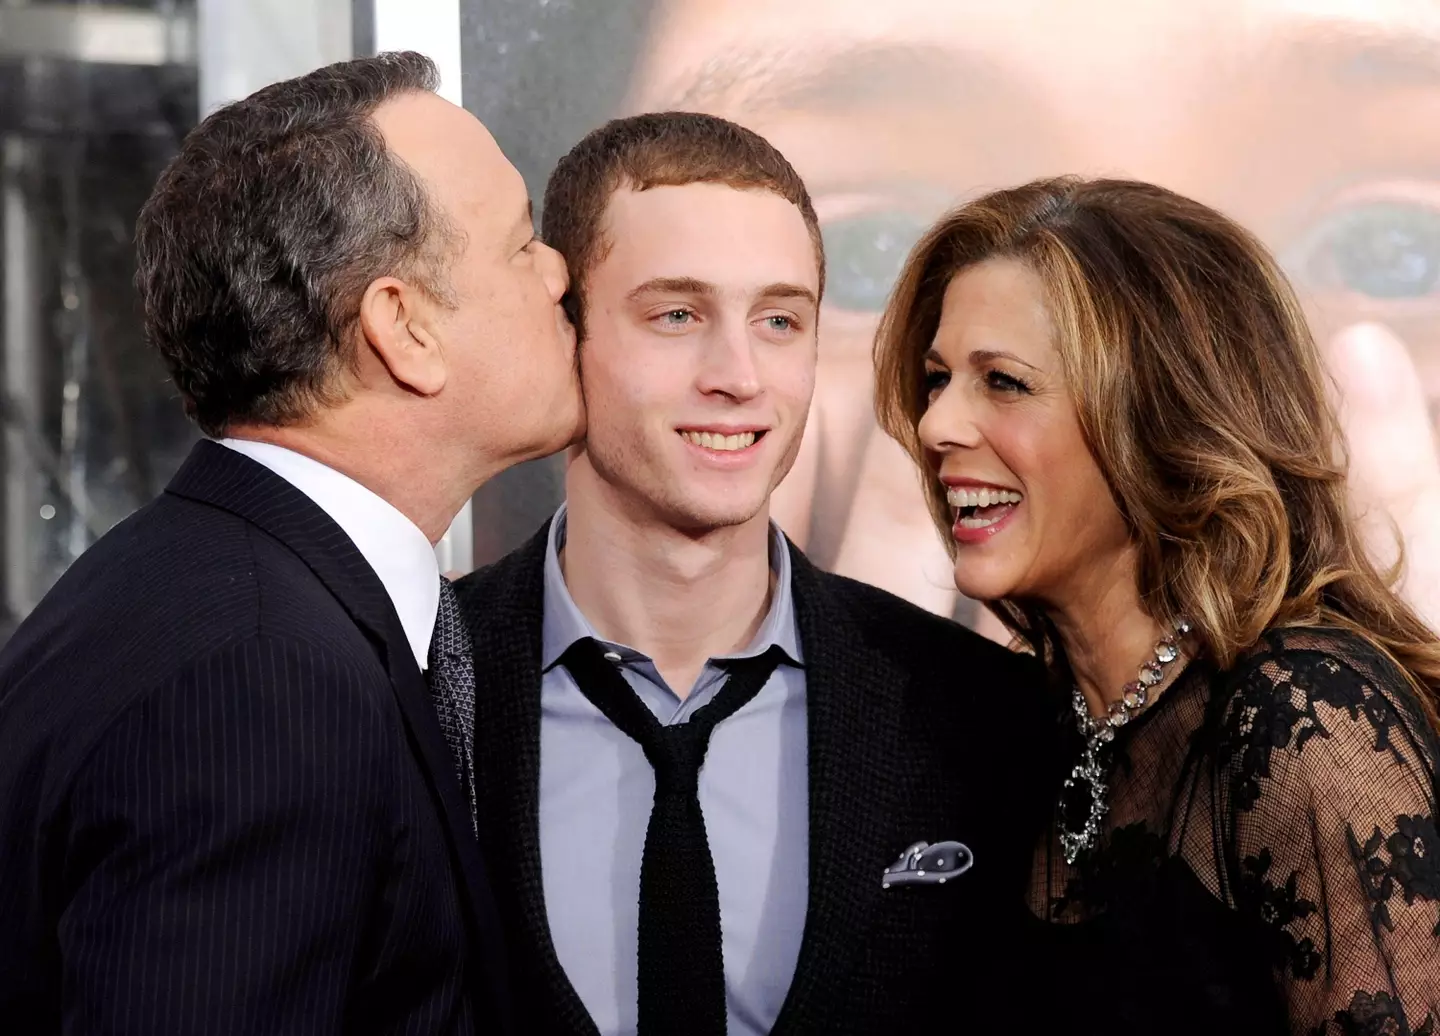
pixel 707 512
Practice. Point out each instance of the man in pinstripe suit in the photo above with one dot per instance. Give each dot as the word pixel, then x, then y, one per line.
pixel 236 781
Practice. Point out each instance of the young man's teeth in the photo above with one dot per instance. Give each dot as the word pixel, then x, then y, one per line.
pixel 715 441
pixel 981 497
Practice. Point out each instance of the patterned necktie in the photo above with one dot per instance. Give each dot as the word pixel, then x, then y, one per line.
pixel 452 688
pixel 681 964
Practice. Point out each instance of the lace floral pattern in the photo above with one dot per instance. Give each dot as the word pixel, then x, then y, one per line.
pixel 1407 862
pixel 1279 907
pixel 1282 711
pixel 1298 790
pixel 1373 1014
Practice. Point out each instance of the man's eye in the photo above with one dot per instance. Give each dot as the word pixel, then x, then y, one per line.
pixel 1386 250
pixel 864 255
pixel 676 317
pixel 781 323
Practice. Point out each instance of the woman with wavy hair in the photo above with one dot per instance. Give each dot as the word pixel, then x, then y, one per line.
pixel 1124 433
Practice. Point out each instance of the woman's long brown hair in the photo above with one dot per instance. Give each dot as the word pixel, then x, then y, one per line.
pixel 1202 396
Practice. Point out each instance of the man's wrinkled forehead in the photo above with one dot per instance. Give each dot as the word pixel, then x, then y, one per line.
pixel 744 55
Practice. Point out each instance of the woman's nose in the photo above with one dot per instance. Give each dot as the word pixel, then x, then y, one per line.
pixel 948 423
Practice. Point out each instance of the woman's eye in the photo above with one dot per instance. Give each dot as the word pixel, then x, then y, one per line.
pixel 1002 382
pixel 936 380
pixel 1386 250
pixel 864 255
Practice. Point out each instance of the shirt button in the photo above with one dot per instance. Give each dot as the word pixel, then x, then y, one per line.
pixel 612 656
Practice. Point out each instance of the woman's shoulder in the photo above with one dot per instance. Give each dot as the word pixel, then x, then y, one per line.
pixel 1321 665
pixel 1327 803
pixel 1314 705
pixel 1340 647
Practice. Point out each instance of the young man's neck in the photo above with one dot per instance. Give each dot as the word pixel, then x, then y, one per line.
pixel 681 598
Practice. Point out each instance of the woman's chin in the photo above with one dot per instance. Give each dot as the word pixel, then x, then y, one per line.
pixel 983 586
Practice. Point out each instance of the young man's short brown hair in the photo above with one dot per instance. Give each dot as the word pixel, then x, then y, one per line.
pixel 660 149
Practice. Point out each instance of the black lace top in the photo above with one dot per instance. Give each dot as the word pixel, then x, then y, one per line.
pixel 1269 864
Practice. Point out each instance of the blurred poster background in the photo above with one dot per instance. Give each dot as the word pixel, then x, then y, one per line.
pixel 94 99
pixel 1316 123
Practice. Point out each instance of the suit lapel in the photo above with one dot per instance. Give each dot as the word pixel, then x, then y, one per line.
pixel 222 478
pixel 854 697
pixel 504 605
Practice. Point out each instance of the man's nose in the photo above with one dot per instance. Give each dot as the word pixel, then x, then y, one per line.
pixel 552 270
pixel 729 363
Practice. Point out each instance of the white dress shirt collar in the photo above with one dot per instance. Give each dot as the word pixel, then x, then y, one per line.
pixel 401 555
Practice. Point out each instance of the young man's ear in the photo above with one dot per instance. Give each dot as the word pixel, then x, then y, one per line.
pixel 397 321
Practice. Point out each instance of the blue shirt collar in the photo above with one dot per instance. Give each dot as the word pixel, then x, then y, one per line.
pixel 564 623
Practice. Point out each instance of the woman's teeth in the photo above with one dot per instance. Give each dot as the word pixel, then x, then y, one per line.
pixel 970 502
pixel 714 441
pixel 981 497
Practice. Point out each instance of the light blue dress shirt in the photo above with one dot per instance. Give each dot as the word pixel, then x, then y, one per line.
pixel 597 787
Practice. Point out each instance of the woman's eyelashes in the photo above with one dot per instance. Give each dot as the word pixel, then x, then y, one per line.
pixel 994 381
pixel 936 378
pixel 1006 384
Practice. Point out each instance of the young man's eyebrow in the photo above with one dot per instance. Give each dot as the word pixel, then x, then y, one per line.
pixel 672 285
pixel 782 290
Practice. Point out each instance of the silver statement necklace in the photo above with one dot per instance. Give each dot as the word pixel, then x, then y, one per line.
pixel 1090 772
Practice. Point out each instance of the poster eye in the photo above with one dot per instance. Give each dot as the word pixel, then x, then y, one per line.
pixel 864 255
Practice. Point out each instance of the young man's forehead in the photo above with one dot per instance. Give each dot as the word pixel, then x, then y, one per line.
pixel 708 225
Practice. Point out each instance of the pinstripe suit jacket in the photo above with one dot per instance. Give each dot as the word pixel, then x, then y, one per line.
pixel 225 802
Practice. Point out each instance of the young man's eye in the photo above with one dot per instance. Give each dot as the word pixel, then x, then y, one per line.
pixel 779 322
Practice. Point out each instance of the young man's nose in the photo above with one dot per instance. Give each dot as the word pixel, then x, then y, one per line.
pixel 728 361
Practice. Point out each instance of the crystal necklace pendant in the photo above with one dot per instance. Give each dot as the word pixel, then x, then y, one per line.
pixel 1091 771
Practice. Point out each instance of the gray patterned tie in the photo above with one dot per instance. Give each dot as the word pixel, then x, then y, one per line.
pixel 452 686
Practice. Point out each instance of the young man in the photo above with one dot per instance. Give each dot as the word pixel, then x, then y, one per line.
pixel 661 621
pixel 228 800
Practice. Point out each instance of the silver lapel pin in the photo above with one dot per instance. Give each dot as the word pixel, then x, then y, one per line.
pixel 926 864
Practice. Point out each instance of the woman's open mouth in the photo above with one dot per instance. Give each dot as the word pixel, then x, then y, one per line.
pixel 981 512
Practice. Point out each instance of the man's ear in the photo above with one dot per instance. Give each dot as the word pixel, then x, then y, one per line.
pixel 397 320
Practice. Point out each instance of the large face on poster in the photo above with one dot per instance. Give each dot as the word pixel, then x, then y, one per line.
pixel 1314 122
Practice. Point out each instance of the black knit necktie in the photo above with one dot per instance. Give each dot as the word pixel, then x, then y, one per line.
pixel 452 688
pixel 681 966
